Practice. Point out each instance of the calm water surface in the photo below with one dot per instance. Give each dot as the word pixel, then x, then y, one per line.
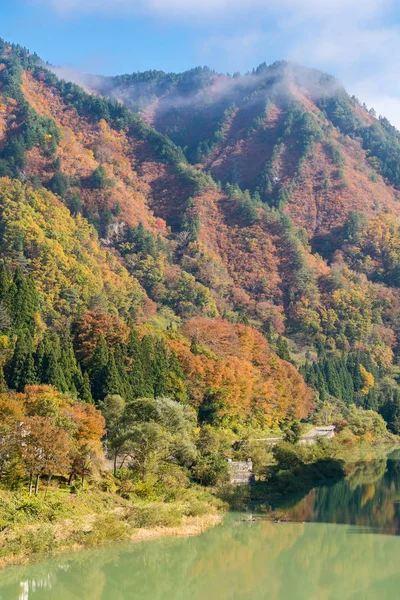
pixel 345 544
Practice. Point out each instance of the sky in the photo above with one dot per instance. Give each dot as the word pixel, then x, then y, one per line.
pixel 356 40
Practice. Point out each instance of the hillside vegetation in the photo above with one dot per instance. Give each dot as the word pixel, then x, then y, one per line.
pixel 213 259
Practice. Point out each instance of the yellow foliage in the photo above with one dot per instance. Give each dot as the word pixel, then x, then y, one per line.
pixel 62 252
pixel 4 341
pixel 367 379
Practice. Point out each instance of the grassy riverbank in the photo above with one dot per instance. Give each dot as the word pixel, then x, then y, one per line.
pixel 48 524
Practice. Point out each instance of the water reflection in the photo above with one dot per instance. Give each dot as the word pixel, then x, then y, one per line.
pixel 368 498
pixel 323 560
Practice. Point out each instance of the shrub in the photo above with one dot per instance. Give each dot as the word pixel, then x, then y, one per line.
pixel 156 514
pixel 106 528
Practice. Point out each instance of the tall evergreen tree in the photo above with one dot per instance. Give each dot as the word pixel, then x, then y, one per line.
pixel 69 365
pixel 282 349
pixel 85 391
pixel 112 383
pixel 29 373
pixel 135 366
pixel 98 369
pixel 48 363
pixel 160 367
pixel 120 363
pixel 147 350
pixel 24 301
pixel 17 376
pixel 5 283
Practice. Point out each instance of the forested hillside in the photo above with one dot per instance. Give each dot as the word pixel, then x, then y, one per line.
pixel 214 256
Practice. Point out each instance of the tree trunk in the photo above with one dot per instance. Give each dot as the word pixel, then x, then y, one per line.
pixel 83 480
pixel 37 485
pixel 70 478
pixel 115 463
pixel 30 483
pixel 47 486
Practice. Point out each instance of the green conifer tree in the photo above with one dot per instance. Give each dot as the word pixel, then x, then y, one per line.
pixel 5 283
pixel 135 366
pixel 69 365
pixel 24 301
pixel 282 349
pixel 98 369
pixel 120 363
pixel 85 391
pixel 147 350
pixel 15 375
pixel 28 376
pixel 160 367
pixel 112 381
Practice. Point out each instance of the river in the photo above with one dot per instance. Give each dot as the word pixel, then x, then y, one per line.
pixel 342 543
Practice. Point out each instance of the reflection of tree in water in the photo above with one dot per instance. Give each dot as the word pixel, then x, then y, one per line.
pixel 368 497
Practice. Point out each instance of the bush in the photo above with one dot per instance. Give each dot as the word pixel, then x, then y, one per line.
pixel 37 540
pixel 106 528
pixel 156 514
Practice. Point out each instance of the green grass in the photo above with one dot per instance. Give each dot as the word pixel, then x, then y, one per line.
pixel 31 526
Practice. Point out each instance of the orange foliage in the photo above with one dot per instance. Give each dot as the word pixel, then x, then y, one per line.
pixel 92 325
pixel 49 432
pixel 235 361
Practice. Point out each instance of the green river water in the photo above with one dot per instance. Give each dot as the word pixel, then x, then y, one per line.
pixel 343 543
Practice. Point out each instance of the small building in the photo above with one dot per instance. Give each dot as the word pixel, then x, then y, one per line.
pixel 241 471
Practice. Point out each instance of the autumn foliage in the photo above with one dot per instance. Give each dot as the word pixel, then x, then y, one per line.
pixel 46 433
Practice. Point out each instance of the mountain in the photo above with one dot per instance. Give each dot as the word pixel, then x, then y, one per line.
pixel 289 133
pixel 221 240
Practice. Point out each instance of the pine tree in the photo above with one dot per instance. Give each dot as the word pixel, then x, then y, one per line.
pixel 69 365
pixel 15 375
pixel 53 374
pixel 147 349
pixel 194 346
pixel 332 378
pixel 28 376
pixel 98 369
pixel 135 369
pixel 112 383
pixel 24 301
pixel 353 366
pixel 282 349
pixel 5 283
pixel 120 363
pixel 160 368
pixel 85 392
pixel 49 367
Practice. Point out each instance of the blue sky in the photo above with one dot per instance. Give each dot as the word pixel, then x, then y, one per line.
pixel 357 40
